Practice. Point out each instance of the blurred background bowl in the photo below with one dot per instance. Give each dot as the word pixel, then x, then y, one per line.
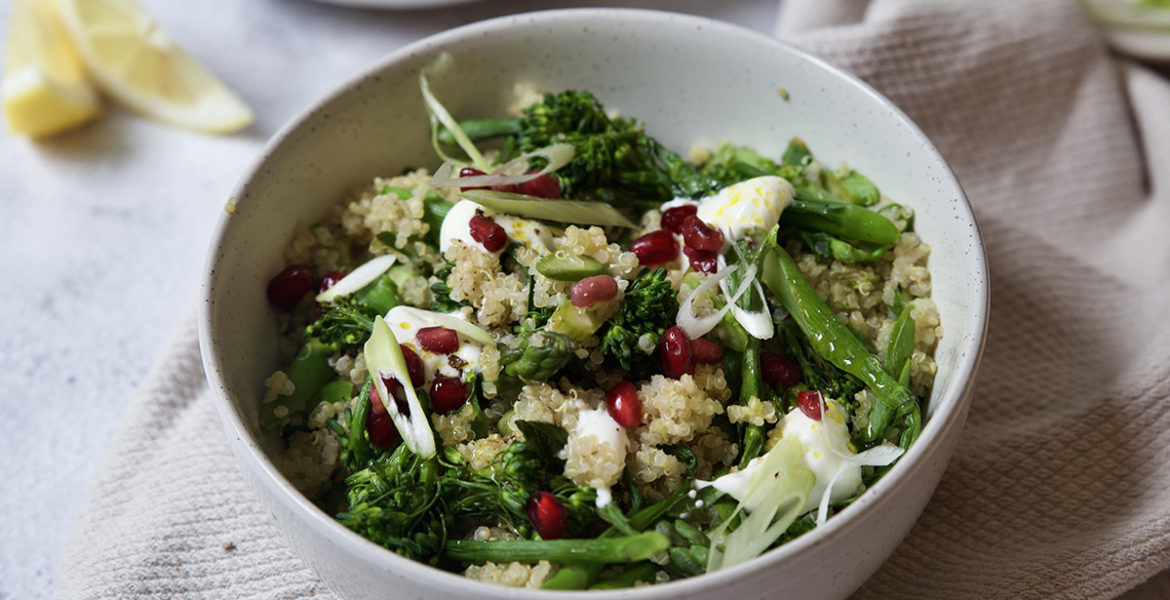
pixel 1139 28
pixel 691 80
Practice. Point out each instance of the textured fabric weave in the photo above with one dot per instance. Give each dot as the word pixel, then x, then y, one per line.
pixel 1058 488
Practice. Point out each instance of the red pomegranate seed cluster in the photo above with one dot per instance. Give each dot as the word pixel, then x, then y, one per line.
pixel 447 394
pixel 621 401
pixel 547 515
pixel 677 357
pixel 777 369
pixel 701 246
pixel 655 248
pixel 287 288
pixel 488 232
pixel 810 403
pixel 591 290
pixel 439 340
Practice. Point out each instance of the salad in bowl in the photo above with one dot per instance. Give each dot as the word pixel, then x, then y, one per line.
pixel 572 358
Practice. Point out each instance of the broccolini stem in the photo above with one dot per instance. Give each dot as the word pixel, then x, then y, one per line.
pixel 751 385
pixel 482 129
pixel 833 341
pixel 601 550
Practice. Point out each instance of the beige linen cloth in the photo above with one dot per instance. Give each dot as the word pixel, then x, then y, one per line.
pixel 1060 487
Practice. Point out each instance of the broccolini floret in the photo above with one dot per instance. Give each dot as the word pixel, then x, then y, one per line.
pixel 615 161
pixel 648 308
pixel 503 488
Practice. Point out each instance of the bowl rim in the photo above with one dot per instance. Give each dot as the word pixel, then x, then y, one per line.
pixel 950 413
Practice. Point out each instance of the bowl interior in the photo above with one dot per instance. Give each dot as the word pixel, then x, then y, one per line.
pixel 690 79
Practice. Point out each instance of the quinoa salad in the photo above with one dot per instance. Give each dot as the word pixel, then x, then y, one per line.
pixel 570 358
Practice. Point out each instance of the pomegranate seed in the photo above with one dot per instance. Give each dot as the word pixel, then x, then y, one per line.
pixel 447 394
pixel 655 248
pixel 395 390
pixel 623 405
pixel 379 424
pixel 439 340
pixel 289 286
pixel 778 369
pixel 706 352
pixel 329 280
pixel 414 365
pixel 488 232
pixel 380 427
pixel 701 260
pixel 673 218
pixel 591 290
pixel 677 358
pixel 698 234
pixel 810 403
pixel 545 186
pixel 471 172
pixel 547 515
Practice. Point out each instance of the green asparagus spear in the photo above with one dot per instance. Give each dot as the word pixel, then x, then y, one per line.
pixel 833 341
pixel 841 219
pixel 620 549
pixel 751 385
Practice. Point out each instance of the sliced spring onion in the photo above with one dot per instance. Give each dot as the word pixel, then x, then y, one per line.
pixel 511 172
pixel 878 456
pixel 384 359
pixel 758 323
pixel 440 114
pixel 560 211
pixel 450 322
pixel 695 326
pixel 774 497
pixel 358 278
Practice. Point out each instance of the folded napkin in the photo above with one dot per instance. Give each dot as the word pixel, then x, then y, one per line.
pixel 1058 488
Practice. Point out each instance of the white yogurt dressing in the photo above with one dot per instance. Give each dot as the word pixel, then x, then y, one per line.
pixel 826 448
pixel 597 423
pixel 405 321
pixel 742 207
pixel 457 226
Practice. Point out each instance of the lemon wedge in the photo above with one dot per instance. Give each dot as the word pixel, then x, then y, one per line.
pixel 43 89
pixel 136 63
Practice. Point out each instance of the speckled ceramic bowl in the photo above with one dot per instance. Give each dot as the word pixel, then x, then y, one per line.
pixel 690 79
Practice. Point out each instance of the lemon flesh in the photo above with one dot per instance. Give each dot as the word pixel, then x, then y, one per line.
pixel 136 63
pixel 43 89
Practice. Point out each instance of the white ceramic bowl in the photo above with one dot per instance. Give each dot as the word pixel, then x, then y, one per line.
pixel 690 79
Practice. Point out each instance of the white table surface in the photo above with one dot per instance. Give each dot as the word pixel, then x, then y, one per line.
pixel 103 232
